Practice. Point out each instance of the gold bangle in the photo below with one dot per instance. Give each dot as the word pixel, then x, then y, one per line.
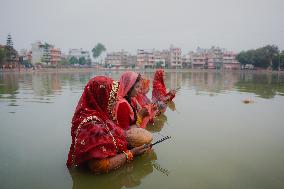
pixel 139 121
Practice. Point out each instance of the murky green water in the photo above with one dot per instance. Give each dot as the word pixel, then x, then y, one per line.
pixel 217 140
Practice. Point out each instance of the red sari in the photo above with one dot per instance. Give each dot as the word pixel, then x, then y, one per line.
pixel 159 92
pixel 142 97
pixel 145 102
pixel 94 134
pixel 124 113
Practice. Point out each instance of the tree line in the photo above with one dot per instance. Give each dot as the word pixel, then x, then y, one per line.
pixel 265 57
pixel 97 51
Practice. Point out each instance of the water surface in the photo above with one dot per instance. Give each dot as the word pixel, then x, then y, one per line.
pixel 217 140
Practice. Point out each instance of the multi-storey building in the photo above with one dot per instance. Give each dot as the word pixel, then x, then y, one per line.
pixel 145 58
pixel 230 61
pixel 116 59
pixel 37 52
pixel 45 53
pixel 55 56
pixel 165 55
pixel 187 60
pixel 131 60
pixel 175 57
pixel 199 61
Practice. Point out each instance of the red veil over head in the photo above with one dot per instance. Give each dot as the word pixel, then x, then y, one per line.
pixel 127 80
pixel 94 134
pixel 141 97
pixel 159 88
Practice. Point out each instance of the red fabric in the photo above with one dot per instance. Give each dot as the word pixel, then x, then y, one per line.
pixel 145 102
pixel 127 80
pixel 93 138
pixel 159 89
pixel 159 92
pixel 123 117
pixel 142 99
pixel 150 118
pixel 144 89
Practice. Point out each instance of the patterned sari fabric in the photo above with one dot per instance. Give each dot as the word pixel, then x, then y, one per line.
pixel 94 134
pixel 159 92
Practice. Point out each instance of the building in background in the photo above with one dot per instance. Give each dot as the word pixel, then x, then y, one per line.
pixel 145 58
pixel 55 56
pixel 37 52
pixel 45 54
pixel 199 61
pixel 175 57
pixel 132 60
pixel 117 59
pixel 230 61
pixel 213 58
pixel 25 58
pixel 79 53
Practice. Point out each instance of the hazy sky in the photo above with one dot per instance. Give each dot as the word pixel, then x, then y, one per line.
pixel 132 24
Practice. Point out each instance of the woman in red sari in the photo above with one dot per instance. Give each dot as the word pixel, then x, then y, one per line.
pixel 144 101
pixel 159 92
pixel 127 109
pixel 97 141
pixel 142 95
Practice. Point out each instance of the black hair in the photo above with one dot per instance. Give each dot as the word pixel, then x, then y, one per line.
pixel 128 96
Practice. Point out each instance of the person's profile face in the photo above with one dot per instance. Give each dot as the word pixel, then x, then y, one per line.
pixel 136 89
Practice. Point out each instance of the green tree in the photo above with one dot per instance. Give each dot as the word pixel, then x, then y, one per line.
pixel 159 64
pixel 73 60
pixel 2 55
pixel 89 61
pixel 46 54
pixel 271 53
pixel 11 53
pixel 98 50
pixel 63 62
pixel 82 60
pixel 263 57
pixel 281 60
pixel 9 42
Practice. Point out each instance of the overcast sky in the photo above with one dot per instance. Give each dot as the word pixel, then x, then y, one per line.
pixel 131 24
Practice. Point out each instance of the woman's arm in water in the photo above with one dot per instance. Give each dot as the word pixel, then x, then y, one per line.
pixel 108 164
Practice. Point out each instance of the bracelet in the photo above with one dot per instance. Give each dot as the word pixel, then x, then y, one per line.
pixel 139 120
pixel 129 155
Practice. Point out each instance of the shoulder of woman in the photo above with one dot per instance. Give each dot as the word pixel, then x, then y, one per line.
pixel 123 105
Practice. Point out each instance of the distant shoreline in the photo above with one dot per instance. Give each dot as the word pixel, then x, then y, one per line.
pixel 86 70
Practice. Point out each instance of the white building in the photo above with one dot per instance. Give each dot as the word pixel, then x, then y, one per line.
pixel 78 53
pixel 37 52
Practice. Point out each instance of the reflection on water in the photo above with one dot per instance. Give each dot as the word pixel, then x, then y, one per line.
pixel 129 175
pixel 264 85
pixel 217 141
pixel 158 124
pixel 45 86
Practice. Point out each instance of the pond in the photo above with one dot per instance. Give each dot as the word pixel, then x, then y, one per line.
pixel 217 140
